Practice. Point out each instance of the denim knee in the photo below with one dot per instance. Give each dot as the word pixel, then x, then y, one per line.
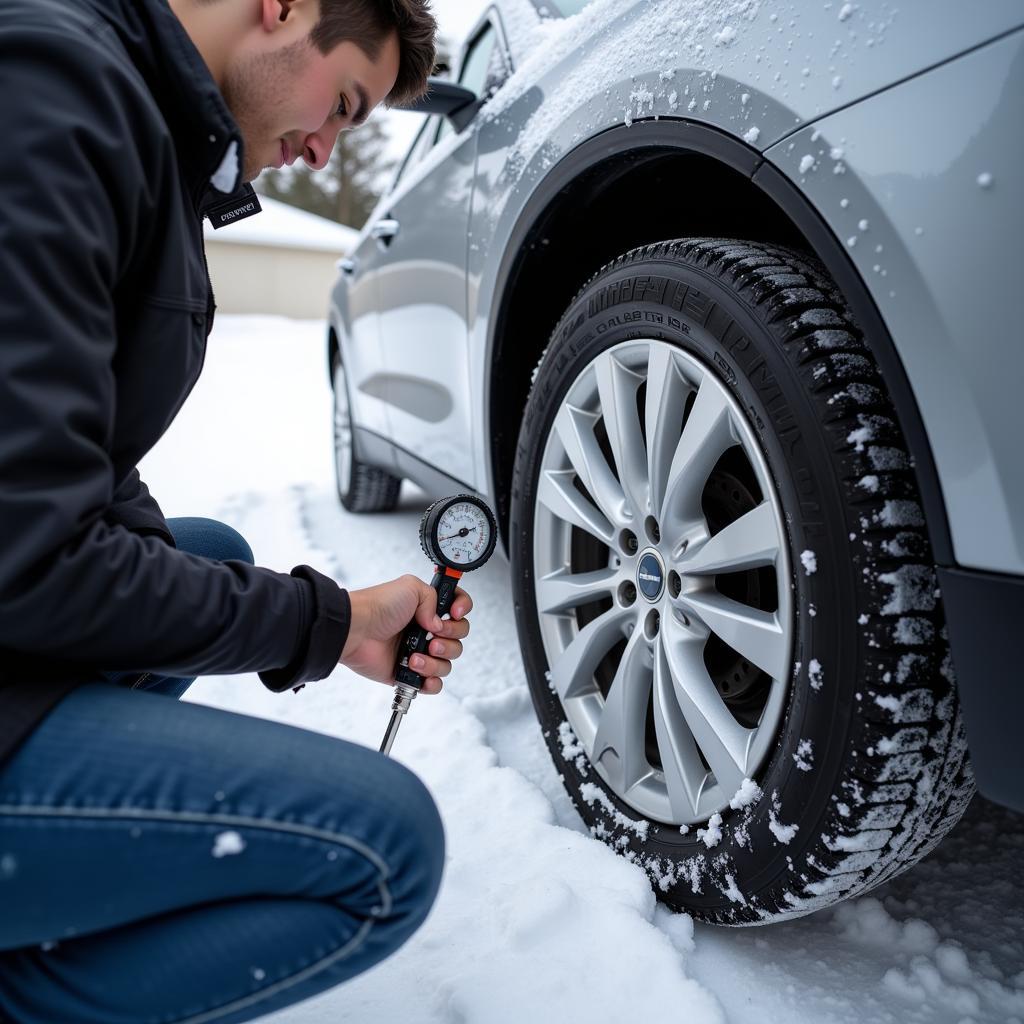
pixel 417 863
pixel 209 538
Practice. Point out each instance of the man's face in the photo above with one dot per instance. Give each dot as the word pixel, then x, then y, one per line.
pixel 291 100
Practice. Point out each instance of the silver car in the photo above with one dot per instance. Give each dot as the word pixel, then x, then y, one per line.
pixel 718 305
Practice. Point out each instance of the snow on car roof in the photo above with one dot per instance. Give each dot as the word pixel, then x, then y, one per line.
pixel 286 227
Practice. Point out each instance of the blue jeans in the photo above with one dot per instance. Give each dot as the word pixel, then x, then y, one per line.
pixel 169 863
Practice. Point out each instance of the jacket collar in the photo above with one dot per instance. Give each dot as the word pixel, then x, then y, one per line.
pixel 206 136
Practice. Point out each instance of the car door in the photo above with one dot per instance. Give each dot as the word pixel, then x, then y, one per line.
pixel 423 234
pixel 357 306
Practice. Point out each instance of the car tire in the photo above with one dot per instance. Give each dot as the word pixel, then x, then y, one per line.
pixel 725 595
pixel 361 488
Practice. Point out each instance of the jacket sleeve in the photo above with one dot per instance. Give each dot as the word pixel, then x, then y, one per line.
pixel 134 508
pixel 75 587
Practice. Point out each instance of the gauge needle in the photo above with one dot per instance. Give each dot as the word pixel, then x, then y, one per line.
pixel 462 533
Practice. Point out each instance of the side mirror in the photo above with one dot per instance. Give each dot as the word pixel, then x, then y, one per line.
pixel 456 102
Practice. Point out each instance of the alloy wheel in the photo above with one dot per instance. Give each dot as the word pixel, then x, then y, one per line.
pixel 662 581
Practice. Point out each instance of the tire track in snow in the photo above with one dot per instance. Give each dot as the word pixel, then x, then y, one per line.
pixel 526 904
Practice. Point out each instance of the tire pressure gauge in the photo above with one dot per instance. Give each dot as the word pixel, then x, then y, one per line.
pixel 458 535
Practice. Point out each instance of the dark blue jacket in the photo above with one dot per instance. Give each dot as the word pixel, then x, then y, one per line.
pixel 114 141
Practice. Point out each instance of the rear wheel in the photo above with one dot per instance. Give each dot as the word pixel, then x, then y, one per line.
pixel 725 594
pixel 361 488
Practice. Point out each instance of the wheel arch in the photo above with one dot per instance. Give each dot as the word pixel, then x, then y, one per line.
pixel 594 205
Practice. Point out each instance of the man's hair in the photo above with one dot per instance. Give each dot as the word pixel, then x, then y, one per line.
pixel 368 23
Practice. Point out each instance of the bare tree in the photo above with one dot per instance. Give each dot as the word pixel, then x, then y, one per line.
pixel 347 189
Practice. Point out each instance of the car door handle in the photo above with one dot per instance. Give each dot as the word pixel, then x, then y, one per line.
pixel 384 230
pixel 347 265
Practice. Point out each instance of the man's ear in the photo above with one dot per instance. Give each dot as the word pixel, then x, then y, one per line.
pixel 275 12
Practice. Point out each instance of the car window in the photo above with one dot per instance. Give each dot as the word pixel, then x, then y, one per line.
pixel 420 144
pixel 477 65
pixel 483 70
pixel 568 7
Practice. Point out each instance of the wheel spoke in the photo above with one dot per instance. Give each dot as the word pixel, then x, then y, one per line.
pixel 572 675
pixel 755 634
pixel 619 742
pixel 721 739
pixel 617 387
pixel 685 776
pixel 666 397
pixel 749 542
pixel 556 491
pixel 708 432
pixel 561 591
pixel 575 428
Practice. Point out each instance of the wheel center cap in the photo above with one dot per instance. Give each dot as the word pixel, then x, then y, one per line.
pixel 650 575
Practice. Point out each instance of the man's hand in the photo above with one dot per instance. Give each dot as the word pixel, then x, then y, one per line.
pixel 379 617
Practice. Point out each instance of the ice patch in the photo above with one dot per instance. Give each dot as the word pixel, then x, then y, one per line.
pixel 913 589
pixel 888 458
pixel 914 631
pixel 899 512
pixel 810 562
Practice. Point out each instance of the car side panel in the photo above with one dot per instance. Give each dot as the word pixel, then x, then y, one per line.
pixel 355 316
pixel 423 310
pixel 745 76
pixel 927 201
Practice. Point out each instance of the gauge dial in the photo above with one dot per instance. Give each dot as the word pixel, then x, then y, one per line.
pixel 463 533
pixel 459 532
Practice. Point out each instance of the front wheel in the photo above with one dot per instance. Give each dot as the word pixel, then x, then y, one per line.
pixel 725 595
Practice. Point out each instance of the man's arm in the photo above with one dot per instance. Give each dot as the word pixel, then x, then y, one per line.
pixel 73 203
pixel 134 508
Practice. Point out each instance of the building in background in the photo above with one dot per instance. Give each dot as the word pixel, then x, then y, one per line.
pixel 281 261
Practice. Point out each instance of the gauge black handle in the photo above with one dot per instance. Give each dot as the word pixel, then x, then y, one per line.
pixel 414 639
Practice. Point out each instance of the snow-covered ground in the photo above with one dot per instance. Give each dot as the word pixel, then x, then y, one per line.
pixel 536 921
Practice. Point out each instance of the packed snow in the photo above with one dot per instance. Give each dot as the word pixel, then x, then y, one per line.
pixel 536 920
